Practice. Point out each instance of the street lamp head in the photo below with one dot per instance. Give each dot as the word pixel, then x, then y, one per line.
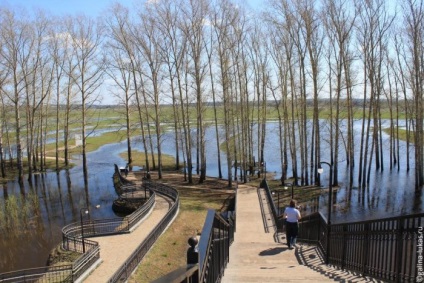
pixel 83 211
pixel 320 170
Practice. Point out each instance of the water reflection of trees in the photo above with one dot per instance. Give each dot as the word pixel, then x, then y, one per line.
pixel 19 214
pixel 29 223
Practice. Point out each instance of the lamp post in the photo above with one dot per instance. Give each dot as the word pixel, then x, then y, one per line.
pixel 83 211
pixel 330 203
pixel 286 186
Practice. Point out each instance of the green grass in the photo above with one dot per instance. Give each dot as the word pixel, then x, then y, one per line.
pixel 402 134
pixel 169 252
pixel 168 161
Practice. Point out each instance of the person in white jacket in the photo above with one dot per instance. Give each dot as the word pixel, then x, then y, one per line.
pixel 291 215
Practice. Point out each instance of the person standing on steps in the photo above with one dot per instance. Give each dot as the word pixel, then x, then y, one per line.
pixel 292 216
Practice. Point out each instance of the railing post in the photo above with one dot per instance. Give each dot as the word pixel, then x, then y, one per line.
pixel 193 256
pixel 399 249
pixel 365 250
pixel 344 246
pixel 328 243
pixel 192 251
pixel 319 229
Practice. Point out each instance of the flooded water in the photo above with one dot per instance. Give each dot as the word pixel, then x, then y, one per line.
pixel 390 192
pixel 31 225
pixel 54 200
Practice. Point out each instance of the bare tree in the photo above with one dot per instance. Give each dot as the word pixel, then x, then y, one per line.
pixel 195 14
pixel 223 20
pixel 88 74
pixel 210 46
pixel 120 26
pixel 38 77
pixel 173 49
pixel 148 42
pixel 280 92
pixel 4 75
pixel 339 28
pixel 414 30
pixel 373 27
pixel 16 52
pixel 58 52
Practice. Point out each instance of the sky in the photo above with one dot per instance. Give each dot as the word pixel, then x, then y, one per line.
pixel 89 7
pixel 62 7
pixel 93 8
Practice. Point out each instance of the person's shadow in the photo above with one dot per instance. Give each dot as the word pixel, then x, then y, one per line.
pixel 272 251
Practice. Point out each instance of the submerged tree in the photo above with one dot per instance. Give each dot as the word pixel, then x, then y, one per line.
pixel 88 73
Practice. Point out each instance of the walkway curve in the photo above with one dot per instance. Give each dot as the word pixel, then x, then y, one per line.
pixel 115 250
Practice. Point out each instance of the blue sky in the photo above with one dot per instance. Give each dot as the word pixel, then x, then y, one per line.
pixel 60 7
pixel 89 7
pixel 92 8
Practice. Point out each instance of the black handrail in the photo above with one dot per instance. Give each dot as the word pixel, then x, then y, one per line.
pixel 264 185
pixel 185 274
pixel 279 223
pixel 214 247
pixel 213 250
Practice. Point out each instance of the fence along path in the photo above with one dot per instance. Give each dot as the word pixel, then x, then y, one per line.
pixel 115 250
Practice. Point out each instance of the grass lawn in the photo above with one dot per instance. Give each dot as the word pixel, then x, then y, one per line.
pixel 169 252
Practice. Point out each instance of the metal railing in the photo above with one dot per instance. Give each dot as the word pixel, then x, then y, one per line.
pixel 279 223
pixel 212 255
pixel 386 249
pixel 214 247
pixel 125 270
pixel 72 240
pixel 185 274
pixel 46 274
pixel 72 233
pixel 119 176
